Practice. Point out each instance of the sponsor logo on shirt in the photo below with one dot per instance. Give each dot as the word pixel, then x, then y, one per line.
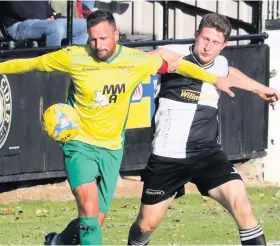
pixel 126 68
pixel 138 93
pixel 196 96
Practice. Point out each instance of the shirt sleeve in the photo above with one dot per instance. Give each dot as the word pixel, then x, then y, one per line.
pixel 225 66
pixel 21 66
pixel 154 64
pixel 189 69
pixel 58 61
pixel 55 61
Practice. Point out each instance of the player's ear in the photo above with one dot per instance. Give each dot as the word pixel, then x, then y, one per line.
pixel 225 44
pixel 117 34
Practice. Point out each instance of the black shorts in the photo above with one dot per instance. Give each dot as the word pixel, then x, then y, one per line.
pixel 164 177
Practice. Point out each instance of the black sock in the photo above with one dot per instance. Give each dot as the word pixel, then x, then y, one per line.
pixel 252 236
pixel 71 234
pixel 136 237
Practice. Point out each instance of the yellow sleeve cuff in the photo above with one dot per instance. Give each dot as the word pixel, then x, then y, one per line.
pixel 189 69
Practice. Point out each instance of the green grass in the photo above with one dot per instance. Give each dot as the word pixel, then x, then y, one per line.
pixel 191 220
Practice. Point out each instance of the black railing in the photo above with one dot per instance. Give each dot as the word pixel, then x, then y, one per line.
pixel 165 19
pixel 273 10
pixel 69 21
pixel 30 52
pixel 255 27
pixel 272 18
pixel 259 17
pixel 257 36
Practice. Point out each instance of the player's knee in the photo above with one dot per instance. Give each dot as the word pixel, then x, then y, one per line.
pixel 89 207
pixel 87 203
pixel 148 225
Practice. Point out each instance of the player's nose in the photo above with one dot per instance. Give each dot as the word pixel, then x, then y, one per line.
pixel 207 47
pixel 99 44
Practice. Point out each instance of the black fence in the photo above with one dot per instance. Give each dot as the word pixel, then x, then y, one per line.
pixel 251 28
pixel 194 9
pixel 243 119
pixel 25 153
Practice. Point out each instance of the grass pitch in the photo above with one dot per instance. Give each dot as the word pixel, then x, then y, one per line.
pixel 192 219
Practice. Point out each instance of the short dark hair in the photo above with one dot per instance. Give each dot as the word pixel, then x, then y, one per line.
pixel 99 16
pixel 217 21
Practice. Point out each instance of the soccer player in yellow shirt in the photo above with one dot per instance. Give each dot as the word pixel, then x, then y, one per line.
pixel 104 75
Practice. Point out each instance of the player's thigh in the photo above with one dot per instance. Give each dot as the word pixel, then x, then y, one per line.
pixel 233 196
pixel 163 178
pixel 109 167
pixel 80 165
pixel 216 172
pixel 221 181
pixel 87 199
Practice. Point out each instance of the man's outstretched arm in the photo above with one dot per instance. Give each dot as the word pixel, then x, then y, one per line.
pixel 55 61
pixel 189 69
pixel 235 79
pixel 175 63
pixel 239 80
pixel 21 66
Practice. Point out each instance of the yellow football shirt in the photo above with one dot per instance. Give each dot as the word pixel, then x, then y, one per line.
pixel 101 91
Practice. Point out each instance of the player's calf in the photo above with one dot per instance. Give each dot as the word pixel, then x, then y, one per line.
pixel 148 219
pixel 233 196
pixel 251 233
pixel 243 213
pixel 138 236
pixel 87 199
pixel 147 222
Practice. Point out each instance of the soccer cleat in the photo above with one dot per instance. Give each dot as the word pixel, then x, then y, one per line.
pixel 50 239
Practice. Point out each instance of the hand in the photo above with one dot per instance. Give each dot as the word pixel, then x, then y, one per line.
pixel 51 18
pixel 223 84
pixel 172 58
pixel 266 93
pixel 269 94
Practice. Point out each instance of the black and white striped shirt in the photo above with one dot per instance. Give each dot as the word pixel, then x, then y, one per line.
pixel 186 120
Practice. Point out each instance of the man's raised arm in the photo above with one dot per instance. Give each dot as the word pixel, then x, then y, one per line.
pixel 235 79
pixel 175 63
pixel 55 61
pixel 239 80
pixel 21 65
pixel 189 69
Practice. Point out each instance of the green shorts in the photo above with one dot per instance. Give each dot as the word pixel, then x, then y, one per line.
pixel 84 163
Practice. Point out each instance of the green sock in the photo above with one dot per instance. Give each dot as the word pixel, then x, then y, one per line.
pixel 90 231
